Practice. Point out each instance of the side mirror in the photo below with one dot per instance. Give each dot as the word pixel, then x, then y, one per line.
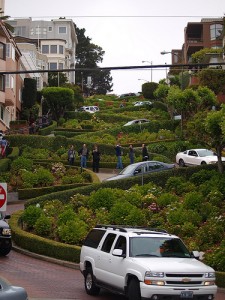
pixel 118 252
pixel 6 217
pixel 196 254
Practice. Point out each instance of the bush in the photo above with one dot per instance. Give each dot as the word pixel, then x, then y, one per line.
pixel 30 216
pixel 166 199
pixel 193 200
pixel 103 198
pixel 43 226
pixel 21 163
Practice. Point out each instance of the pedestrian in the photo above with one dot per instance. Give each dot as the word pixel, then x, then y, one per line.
pixel 71 155
pixel 119 154
pixel 95 159
pixel 131 154
pixel 145 155
pixel 83 152
pixel 4 147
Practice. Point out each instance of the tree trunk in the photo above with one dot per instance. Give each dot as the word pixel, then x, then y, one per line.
pixel 219 155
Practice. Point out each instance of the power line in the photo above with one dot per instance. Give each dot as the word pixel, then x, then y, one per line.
pixel 116 16
pixel 190 66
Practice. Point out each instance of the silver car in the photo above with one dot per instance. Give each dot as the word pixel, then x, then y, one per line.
pixel 10 292
pixel 142 168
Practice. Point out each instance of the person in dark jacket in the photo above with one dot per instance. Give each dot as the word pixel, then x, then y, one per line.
pixel 118 149
pixel 95 159
pixel 131 154
pixel 71 155
pixel 145 155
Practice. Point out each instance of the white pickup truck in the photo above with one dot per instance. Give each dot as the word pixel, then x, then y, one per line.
pixel 141 263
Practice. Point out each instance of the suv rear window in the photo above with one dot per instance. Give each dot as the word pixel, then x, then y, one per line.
pixel 93 238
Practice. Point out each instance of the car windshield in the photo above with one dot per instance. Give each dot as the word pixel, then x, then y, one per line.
pixel 157 247
pixel 205 152
pixel 129 169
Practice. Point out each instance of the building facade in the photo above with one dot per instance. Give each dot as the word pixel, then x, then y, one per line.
pixel 56 39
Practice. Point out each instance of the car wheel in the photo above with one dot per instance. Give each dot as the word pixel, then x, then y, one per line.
pixel 4 250
pixel 134 290
pixel 203 163
pixel 181 163
pixel 90 287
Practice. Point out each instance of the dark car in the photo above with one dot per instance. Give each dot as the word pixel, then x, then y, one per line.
pixel 5 236
pixel 142 168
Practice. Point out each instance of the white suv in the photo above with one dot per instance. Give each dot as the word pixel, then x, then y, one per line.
pixel 143 263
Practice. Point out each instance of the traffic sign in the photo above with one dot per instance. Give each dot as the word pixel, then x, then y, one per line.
pixel 3 196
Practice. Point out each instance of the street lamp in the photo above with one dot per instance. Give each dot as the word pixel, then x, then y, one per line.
pixel 179 58
pixel 143 79
pixel 146 61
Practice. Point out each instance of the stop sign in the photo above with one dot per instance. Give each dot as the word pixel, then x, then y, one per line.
pixel 3 196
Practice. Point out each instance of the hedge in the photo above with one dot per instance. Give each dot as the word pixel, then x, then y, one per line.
pixel 41 245
pixel 48 129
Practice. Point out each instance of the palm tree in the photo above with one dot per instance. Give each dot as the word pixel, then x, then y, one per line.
pixel 3 19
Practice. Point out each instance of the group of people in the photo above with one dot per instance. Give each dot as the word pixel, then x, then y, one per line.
pixel 83 153
pixel 119 154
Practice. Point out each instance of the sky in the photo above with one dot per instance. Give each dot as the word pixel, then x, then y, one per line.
pixel 129 31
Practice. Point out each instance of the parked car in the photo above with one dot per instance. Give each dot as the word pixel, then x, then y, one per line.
pixel 142 103
pixel 5 236
pixel 10 292
pixel 141 168
pixel 90 109
pixel 143 263
pixel 196 157
pixel 137 121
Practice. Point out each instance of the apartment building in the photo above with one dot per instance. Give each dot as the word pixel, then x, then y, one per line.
pixel 55 38
pixel 11 84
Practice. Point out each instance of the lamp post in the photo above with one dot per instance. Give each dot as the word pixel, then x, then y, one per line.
pixel 182 70
pixel 146 61
pixel 143 79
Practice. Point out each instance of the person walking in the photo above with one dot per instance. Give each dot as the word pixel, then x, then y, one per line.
pixel 83 152
pixel 145 155
pixel 71 155
pixel 119 153
pixel 4 147
pixel 131 154
pixel 95 159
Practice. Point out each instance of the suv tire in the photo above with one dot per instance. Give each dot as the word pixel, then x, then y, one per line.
pixel 134 290
pixel 90 287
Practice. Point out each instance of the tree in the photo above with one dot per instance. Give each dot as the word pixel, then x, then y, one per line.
pixel 57 79
pixel 29 93
pixel 3 19
pixel 213 79
pixel 148 89
pixel 58 99
pixel 88 55
pixel 207 128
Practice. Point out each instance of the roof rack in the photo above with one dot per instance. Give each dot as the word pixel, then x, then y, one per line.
pixel 123 228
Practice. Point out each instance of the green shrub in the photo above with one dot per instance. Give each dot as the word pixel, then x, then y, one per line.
pixel 104 197
pixel 180 215
pixel 21 163
pixel 193 200
pixel 30 216
pixel 166 199
pixel 178 185
pixel 201 177
pixel 43 226
pixel 73 231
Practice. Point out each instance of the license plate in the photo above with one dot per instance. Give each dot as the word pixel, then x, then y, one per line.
pixel 186 295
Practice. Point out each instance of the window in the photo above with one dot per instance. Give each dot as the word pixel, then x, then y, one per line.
pixel 216 31
pixel 45 49
pixel 44 31
pixel 2 112
pixel 2 83
pixel 20 31
pixel 53 66
pixel 107 245
pixel 38 30
pixel 53 49
pixel 121 243
pixel 61 49
pixel 50 28
pixel 2 51
pixel 93 238
pixel 62 29
pixel 60 66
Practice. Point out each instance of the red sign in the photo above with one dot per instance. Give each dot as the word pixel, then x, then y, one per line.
pixel 3 196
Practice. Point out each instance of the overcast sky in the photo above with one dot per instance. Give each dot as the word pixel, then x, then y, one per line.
pixel 129 31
